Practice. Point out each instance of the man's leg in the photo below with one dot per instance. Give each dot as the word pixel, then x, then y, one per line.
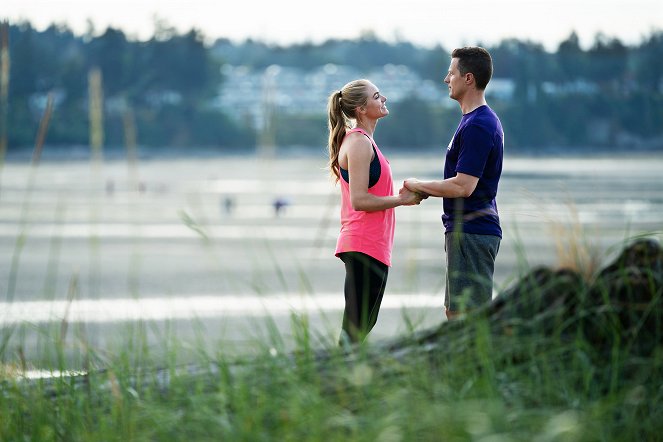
pixel 470 268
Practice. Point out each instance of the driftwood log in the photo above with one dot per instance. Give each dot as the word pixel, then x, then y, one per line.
pixel 622 303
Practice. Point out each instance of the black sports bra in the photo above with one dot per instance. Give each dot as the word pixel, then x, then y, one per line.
pixel 374 171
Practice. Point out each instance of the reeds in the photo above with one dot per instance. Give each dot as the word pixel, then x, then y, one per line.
pixel 475 385
pixel 25 208
pixel 4 89
pixel 480 378
pixel 573 245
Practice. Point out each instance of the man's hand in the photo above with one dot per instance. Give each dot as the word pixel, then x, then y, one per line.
pixel 413 185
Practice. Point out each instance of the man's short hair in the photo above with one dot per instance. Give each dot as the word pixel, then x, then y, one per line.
pixel 477 61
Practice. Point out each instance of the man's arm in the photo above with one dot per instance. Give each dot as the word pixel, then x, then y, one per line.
pixel 460 186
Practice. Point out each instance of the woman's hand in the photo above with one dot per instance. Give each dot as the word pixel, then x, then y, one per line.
pixel 408 197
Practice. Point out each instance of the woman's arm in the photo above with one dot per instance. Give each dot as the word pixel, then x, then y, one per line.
pixel 359 155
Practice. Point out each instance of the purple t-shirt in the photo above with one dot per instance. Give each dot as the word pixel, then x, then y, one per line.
pixel 476 149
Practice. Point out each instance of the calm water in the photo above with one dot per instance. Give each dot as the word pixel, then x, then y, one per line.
pixel 176 238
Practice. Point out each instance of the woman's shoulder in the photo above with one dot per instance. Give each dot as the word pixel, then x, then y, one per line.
pixel 358 146
pixel 357 138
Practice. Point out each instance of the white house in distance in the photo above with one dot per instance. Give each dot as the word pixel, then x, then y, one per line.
pixel 246 94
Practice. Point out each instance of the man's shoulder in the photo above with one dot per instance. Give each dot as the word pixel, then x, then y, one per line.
pixel 486 113
pixel 484 119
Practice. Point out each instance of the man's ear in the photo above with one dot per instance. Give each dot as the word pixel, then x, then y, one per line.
pixel 469 78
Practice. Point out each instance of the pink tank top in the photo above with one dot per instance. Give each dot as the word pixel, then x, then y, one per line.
pixel 371 233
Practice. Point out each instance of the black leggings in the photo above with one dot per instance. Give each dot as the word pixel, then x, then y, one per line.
pixel 365 281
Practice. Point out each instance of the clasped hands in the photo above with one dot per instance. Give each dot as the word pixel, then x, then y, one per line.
pixel 412 197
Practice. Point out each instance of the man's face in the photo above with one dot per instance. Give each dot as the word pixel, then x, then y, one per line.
pixel 455 81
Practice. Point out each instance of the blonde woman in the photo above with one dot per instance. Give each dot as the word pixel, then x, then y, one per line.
pixel 367 202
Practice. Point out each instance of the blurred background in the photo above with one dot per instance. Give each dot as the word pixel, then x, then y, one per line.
pixel 166 160
pixel 569 76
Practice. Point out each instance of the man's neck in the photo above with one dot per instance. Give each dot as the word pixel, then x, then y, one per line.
pixel 472 101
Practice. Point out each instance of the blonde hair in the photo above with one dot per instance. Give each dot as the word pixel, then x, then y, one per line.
pixel 341 108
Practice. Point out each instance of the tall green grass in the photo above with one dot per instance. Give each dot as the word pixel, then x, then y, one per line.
pixel 539 378
pixel 474 384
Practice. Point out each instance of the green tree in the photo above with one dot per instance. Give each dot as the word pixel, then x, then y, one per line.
pixel 571 59
pixel 607 62
pixel 182 64
pixel 415 123
pixel 111 52
pixel 436 64
pixel 648 69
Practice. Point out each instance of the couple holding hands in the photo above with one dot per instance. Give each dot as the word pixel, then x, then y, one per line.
pixel 472 169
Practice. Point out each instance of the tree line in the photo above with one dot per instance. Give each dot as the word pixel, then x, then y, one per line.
pixel 609 96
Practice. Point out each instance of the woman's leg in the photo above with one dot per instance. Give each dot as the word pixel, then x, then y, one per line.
pixel 365 283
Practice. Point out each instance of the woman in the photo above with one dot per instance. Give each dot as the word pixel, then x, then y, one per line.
pixel 367 202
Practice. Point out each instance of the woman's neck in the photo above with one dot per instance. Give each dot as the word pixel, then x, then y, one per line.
pixel 367 126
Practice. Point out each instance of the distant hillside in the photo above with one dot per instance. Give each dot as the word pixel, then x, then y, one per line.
pixel 169 90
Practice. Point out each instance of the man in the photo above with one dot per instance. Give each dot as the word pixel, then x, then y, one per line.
pixel 472 171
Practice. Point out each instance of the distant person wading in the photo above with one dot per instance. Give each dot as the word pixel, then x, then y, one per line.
pixel 367 202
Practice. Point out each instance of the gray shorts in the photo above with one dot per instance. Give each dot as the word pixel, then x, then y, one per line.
pixel 470 268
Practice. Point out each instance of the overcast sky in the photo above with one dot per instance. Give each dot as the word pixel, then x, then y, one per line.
pixel 423 22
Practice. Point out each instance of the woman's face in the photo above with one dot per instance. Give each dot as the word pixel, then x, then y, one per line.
pixel 375 106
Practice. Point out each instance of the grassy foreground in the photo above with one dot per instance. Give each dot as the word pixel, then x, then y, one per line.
pixel 557 359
